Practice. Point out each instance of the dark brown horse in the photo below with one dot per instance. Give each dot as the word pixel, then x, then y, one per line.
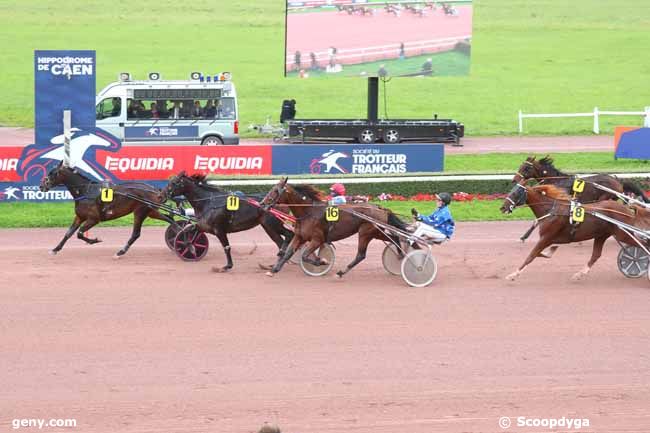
pixel 545 172
pixel 209 203
pixel 309 206
pixel 552 208
pixel 90 210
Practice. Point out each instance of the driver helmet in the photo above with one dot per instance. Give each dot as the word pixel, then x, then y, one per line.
pixel 444 197
pixel 337 189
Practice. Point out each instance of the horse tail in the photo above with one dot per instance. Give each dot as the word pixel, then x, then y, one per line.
pixel 636 190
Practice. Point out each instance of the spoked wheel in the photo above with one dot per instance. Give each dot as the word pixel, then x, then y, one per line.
pixel 191 244
pixel 391 258
pixel 172 231
pixel 633 262
pixel 419 268
pixel 325 252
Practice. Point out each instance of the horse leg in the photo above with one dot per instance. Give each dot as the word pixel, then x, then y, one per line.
pixel 84 228
pixel 293 246
pixel 73 228
pixel 537 249
pixel 362 248
pixel 595 255
pixel 138 218
pixel 309 250
pixel 275 237
pixel 223 238
pixel 548 254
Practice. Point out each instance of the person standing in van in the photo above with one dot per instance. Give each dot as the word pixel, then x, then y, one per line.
pixel 197 111
pixel 175 112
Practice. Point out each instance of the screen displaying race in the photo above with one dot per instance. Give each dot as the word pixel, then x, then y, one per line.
pixel 373 38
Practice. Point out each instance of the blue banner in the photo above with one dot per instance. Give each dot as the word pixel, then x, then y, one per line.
pixel 344 159
pixel 159 133
pixel 64 80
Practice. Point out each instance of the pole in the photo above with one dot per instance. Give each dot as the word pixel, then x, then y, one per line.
pixel 373 98
pixel 521 123
pixel 67 136
pixel 596 121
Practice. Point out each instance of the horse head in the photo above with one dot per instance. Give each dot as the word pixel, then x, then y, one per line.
pixel 275 194
pixel 54 177
pixel 527 170
pixel 177 185
pixel 517 197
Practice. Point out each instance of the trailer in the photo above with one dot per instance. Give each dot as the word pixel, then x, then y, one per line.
pixel 367 131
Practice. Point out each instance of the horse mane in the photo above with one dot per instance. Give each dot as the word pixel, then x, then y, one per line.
pixel 552 192
pixel 547 164
pixel 202 181
pixel 309 191
pixel 73 170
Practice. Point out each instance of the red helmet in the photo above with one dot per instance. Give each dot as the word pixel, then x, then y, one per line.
pixel 338 189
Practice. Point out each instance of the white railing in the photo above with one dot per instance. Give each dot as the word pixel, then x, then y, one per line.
pixel 595 114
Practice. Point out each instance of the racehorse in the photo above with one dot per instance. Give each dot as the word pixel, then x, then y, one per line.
pixel 552 208
pixel 90 210
pixel 309 207
pixel 209 203
pixel 544 171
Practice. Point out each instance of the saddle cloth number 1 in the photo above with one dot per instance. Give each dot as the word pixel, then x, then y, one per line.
pixel 232 203
pixel 106 195
pixel 332 214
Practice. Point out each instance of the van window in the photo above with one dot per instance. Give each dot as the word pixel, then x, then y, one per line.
pixel 109 107
pixel 195 109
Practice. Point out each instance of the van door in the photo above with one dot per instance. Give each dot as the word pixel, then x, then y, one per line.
pixel 110 116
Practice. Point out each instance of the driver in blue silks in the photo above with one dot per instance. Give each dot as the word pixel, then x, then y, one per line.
pixel 438 226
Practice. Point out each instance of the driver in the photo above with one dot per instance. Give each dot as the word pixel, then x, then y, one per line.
pixel 438 226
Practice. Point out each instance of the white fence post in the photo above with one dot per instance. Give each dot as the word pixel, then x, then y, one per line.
pixel 67 136
pixel 521 123
pixel 646 121
pixel 596 121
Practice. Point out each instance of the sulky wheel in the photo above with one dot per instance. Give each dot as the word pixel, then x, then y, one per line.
pixel 191 244
pixel 325 252
pixel 392 259
pixel 419 268
pixel 172 231
pixel 633 262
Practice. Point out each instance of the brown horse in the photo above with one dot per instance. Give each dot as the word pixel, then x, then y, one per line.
pixel 309 206
pixel 544 171
pixel 90 210
pixel 552 208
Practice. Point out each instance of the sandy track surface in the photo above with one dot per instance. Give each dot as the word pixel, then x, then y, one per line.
pixel 149 343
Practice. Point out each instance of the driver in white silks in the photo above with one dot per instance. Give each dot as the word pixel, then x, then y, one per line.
pixel 438 226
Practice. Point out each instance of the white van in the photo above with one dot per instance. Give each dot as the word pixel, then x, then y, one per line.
pixel 202 110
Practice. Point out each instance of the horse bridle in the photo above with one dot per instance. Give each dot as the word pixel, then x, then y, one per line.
pixel 513 204
pixel 280 191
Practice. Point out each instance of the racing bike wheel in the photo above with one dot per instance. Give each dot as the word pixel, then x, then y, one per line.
pixel 419 268
pixel 172 231
pixel 633 261
pixel 391 258
pixel 325 252
pixel 191 244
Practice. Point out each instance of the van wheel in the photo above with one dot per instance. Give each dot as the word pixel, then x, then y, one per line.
pixel 211 140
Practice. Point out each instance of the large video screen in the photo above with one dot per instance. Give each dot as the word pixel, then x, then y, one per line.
pixel 372 38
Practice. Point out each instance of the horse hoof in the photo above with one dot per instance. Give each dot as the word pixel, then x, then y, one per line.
pixel 270 274
pixel 577 277
pixel 340 274
pixel 265 267
pixel 117 256
pixel 512 277
pixel 220 270
pixel 53 252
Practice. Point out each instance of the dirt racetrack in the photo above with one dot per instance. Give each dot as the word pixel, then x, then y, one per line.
pixel 152 344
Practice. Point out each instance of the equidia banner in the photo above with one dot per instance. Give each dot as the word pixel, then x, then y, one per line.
pixel 341 159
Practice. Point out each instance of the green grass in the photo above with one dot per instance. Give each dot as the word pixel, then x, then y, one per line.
pixel 547 56
pixel 29 215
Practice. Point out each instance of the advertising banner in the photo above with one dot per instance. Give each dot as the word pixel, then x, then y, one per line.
pixel 64 80
pixel 358 159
